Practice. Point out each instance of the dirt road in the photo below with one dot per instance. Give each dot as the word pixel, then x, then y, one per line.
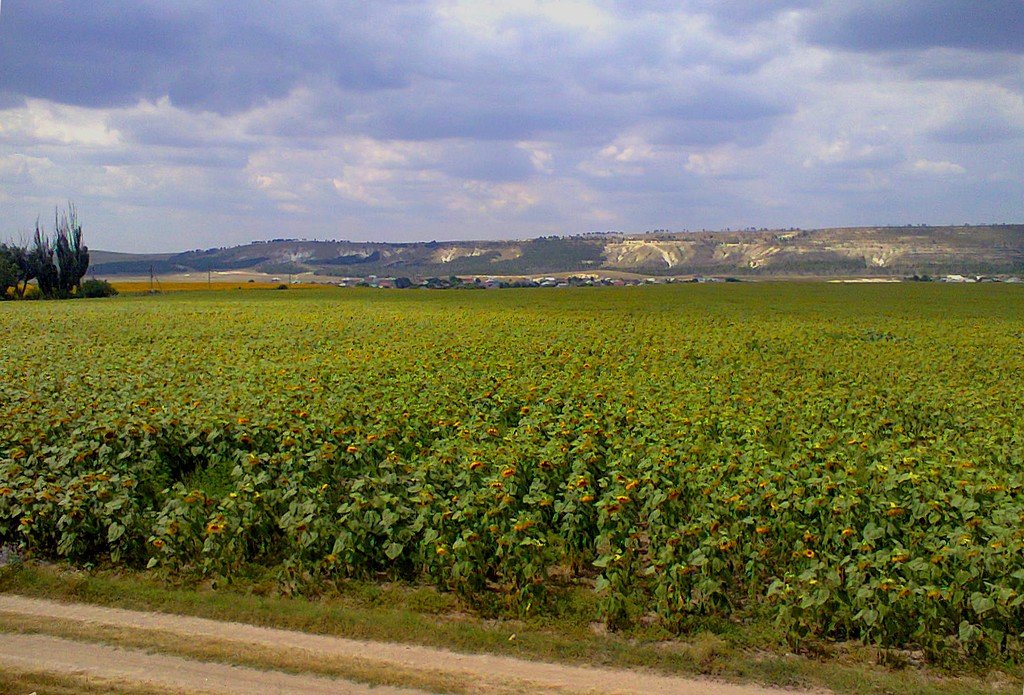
pixel 52 654
pixel 439 670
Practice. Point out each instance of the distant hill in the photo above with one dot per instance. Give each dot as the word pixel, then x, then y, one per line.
pixel 114 263
pixel 869 251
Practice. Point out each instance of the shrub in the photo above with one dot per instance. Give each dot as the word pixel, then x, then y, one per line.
pixel 97 288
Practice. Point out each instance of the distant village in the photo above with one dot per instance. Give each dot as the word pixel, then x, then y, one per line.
pixel 978 278
pixel 491 283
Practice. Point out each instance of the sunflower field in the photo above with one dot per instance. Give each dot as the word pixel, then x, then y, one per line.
pixel 846 460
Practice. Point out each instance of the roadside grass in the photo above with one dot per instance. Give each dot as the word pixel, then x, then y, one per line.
pixel 297 661
pixel 14 681
pixel 418 615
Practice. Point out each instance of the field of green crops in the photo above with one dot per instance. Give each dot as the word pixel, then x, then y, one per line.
pixel 845 460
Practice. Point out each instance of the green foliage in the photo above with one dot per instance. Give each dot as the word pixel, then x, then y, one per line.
pixel 40 260
pixel 72 256
pixel 57 265
pixel 845 459
pixel 26 272
pixel 96 288
pixel 8 271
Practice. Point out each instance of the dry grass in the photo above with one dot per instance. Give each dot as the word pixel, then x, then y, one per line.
pixel 17 681
pixel 290 660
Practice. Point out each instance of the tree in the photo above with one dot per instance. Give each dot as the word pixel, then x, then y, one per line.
pixel 8 270
pixel 40 259
pixel 26 273
pixel 57 265
pixel 18 257
pixel 72 254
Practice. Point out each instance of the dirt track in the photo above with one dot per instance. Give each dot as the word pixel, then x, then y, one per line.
pixel 479 673
pixel 40 652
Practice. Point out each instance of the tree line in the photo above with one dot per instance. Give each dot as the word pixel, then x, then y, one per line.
pixel 55 263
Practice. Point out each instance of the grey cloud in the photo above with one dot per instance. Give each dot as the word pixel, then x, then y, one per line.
pixel 494 162
pixel 733 13
pixel 9 100
pixel 490 110
pixel 224 57
pixel 654 182
pixel 973 130
pixel 173 128
pixel 389 70
pixel 712 101
pixel 90 54
pixel 712 114
pixel 649 56
pixel 743 13
pixel 204 158
pixel 947 63
pixel 864 25
pixel 704 133
pixel 503 114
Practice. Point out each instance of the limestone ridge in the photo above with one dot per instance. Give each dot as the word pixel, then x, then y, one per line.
pixel 862 251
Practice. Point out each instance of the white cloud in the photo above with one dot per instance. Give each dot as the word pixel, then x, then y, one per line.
pixel 18 168
pixel 43 122
pixel 626 156
pixel 367 185
pixel 713 162
pixel 540 155
pixel 486 198
pixel 847 152
pixel 493 16
pixel 927 166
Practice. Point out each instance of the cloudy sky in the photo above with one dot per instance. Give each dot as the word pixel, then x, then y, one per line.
pixel 198 123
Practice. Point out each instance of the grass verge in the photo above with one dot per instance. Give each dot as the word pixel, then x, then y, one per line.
pixel 15 681
pixel 425 617
pixel 297 661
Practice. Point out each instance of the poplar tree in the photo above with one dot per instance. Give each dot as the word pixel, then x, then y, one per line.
pixel 72 255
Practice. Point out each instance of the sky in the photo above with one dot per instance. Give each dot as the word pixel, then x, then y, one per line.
pixel 196 124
